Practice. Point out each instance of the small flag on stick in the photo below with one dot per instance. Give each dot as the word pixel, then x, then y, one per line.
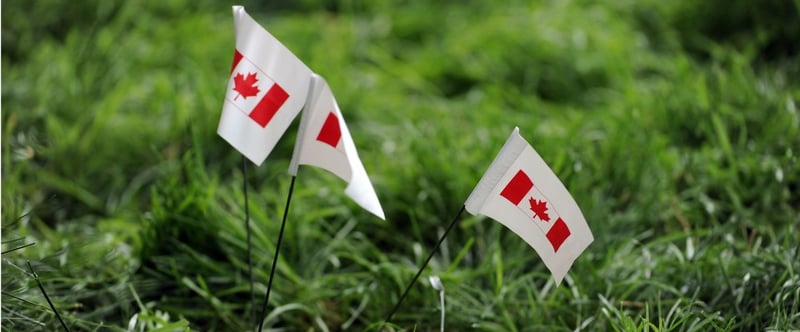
pixel 266 90
pixel 521 192
pixel 324 141
pixel 268 86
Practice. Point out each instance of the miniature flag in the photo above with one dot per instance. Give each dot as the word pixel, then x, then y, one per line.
pixel 267 88
pixel 520 191
pixel 324 141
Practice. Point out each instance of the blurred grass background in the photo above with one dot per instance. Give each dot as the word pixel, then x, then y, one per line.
pixel 673 124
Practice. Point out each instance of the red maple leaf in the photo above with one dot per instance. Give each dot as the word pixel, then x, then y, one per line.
pixel 245 86
pixel 539 209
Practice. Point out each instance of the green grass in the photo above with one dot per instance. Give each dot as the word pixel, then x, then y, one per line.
pixel 675 127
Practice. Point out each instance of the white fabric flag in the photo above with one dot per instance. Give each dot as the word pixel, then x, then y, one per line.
pixel 324 141
pixel 520 191
pixel 266 90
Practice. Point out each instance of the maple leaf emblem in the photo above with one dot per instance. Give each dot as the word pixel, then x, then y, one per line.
pixel 539 209
pixel 245 86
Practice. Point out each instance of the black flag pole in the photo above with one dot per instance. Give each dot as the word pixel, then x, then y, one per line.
pixel 249 241
pixel 20 247
pixel 52 306
pixel 421 268
pixel 275 258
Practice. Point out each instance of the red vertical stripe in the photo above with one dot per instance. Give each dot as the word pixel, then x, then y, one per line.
pixel 558 234
pixel 269 105
pixel 517 188
pixel 330 132
pixel 236 58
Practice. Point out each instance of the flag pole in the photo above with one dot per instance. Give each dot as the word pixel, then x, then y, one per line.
pixel 52 307
pixel 275 258
pixel 441 239
pixel 249 241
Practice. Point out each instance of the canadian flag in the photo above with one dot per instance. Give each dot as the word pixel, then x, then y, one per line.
pixel 266 90
pixel 324 141
pixel 520 191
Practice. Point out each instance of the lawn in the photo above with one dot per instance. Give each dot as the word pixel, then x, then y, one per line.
pixel 675 126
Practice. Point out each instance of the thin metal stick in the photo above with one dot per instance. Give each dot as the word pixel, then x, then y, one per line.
pixel 41 288
pixel 441 239
pixel 18 248
pixel 275 258
pixel 249 241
